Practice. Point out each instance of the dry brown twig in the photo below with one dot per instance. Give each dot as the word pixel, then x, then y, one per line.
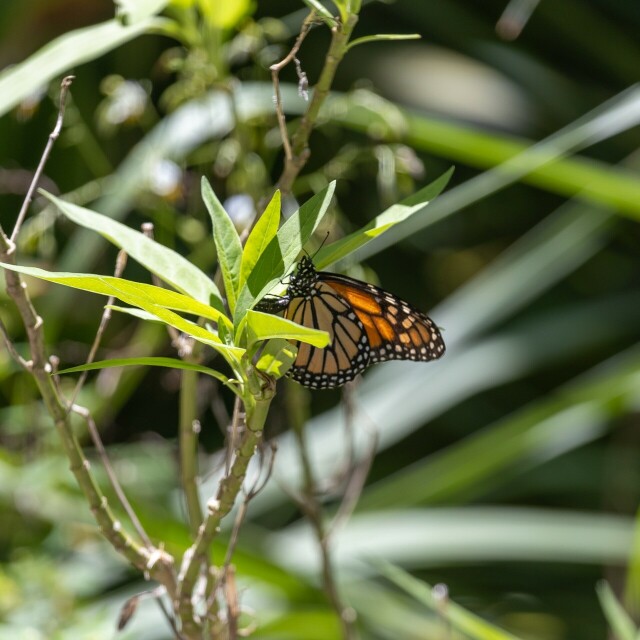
pixel 153 562
pixel 275 77
pixel 53 136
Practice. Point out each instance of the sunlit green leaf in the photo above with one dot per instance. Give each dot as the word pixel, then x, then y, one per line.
pixel 261 235
pixel 283 250
pixel 263 326
pixel 144 296
pixel 171 363
pixel 225 15
pixel 392 216
pixel 227 243
pixel 277 357
pixel 164 262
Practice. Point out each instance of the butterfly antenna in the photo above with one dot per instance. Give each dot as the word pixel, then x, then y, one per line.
pixel 315 253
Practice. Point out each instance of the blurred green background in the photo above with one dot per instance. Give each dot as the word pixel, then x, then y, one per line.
pixel 509 470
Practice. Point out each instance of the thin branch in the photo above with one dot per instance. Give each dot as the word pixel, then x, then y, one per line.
pixel 275 77
pixel 354 488
pixel 314 512
pixel 153 562
pixel 115 483
pixel 26 365
pixel 157 564
pixel 299 152
pixel 189 425
pixel 64 88
pixel 233 608
pixel 220 506
pixel 242 511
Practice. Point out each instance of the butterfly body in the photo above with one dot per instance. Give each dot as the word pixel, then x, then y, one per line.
pixel 366 324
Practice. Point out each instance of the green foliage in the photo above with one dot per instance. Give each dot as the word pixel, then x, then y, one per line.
pixel 507 470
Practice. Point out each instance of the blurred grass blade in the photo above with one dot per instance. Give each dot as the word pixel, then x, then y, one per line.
pixel 172 363
pixel 632 584
pixel 433 537
pixel 542 430
pixel 228 246
pixel 460 618
pixel 619 620
pixel 70 50
pixel 283 250
pixel 261 235
pixel 392 216
pixel 168 265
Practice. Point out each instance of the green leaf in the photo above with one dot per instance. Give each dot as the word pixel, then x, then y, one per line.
pixel 225 15
pixel 136 313
pixel 392 216
pixel 283 250
pixel 172 363
pixel 322 11
pixel 263 326
pixel 168 265
pixel 262 234
pixel 378 37
pixel 277 357
pixel 154 300
pixel 70 50
pixel 227 242
pixel 619 620
pixel 459 618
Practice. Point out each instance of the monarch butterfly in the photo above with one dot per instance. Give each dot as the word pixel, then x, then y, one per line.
pixel 365 323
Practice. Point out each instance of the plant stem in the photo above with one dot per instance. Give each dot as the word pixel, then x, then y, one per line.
pixel 158 565
pixel 297 400
pixel 188 439
pixel 257 402
pixel 300 141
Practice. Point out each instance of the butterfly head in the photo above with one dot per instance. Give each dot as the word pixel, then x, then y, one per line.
pixel 303 279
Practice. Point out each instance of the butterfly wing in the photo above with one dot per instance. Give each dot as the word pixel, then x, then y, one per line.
pixel 395 330
pixel 348 353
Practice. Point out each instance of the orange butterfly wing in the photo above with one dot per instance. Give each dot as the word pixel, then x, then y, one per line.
pixel 396 331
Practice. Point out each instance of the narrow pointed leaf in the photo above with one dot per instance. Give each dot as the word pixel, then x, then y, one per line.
pixel 143 296
pixel 172 363
pixel 460 618
pixel 283 250
pixel 263 326
pixel 277 357
pixel 379 37
pixel 392 216
pixel 227 242
pixel 168 265
pixel 262 234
